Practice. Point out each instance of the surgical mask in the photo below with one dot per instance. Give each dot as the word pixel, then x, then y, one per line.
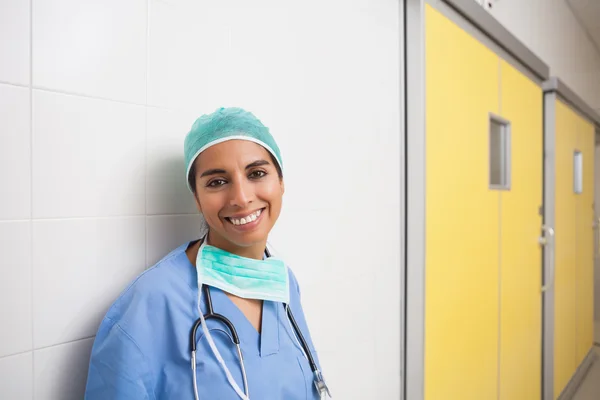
pixel 243 277
pixel 266 279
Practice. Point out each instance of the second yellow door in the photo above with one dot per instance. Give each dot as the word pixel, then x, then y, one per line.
pixel 574 215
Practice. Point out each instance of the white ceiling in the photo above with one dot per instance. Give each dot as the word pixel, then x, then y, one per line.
pixel 588 14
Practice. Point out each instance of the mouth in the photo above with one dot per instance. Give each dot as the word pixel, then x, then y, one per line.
pixel 246 220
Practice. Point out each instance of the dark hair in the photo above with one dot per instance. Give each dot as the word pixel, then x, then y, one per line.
pixel 192 175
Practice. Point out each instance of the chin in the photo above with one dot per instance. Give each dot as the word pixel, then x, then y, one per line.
pixel 249 240
pixel 246 239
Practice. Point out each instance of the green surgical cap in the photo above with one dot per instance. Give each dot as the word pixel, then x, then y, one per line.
pixel 222 125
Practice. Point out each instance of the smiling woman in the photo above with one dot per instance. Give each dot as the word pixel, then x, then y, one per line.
pixel 238 190
pixel 253 339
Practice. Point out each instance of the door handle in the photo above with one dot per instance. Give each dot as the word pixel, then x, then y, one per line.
pixel 547 240
pixel 596 228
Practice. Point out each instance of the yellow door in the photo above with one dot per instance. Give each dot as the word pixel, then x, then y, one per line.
pixel 520 252
pixel 585 243
pixel 566 226
pixel 461 303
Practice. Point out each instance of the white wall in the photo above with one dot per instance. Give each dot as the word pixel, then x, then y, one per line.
pixel 549 28
pixel 95 100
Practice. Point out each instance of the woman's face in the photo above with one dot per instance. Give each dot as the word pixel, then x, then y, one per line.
pixel 239 193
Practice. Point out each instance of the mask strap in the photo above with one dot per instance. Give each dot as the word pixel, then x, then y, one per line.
pixel 211 343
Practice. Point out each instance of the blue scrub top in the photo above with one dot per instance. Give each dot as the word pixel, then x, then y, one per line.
pixel 142 348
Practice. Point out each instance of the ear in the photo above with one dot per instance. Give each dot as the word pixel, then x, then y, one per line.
pixel 282 184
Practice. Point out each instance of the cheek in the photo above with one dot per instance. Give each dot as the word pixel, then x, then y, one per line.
pixel 272 193
pixel 211 205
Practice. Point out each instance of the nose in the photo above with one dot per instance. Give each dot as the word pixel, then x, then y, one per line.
pixel 240 194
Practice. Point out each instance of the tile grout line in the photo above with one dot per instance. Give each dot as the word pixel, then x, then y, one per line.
pixel 19 353
pixel 146 137
pixel 21 85
pixel 93 97
pixel 31 266
pixel 3 221
pixel 95 217
pixel 33 350
pixel 85 96
pixel 65 343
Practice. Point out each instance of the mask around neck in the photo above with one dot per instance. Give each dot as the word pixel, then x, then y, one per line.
pixel 265 279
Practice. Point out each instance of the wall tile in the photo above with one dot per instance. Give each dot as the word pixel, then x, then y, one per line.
pixel 16 374
pixel 183 41
pixel 347 337
pixel 61 371
pixel 167 232
pixel 321 245
pixel 167 192
pixel 203 56
pixel 14 41
pixel 80 267
pixel 88 157
pixel 96 48
pixel 15 152
pixel 15 287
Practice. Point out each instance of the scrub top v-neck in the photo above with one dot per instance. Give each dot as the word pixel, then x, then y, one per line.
pixel 142 348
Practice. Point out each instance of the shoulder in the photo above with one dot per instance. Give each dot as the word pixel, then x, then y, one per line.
pixel 150 289
pixel 293 281
pixel 295 291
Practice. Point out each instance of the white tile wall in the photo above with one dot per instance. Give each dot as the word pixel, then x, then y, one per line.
pixel 297 226
pixel 96 184
pixel 15 288
pixel 16 377
pixel 387 279
pixel 14 41
pixel 186 46
pixel 352 307
pixel 362 231
pixel 96 48
pixel 348 337
pixel 60 372
pixel 92 260
pixel 88 157
pixel 226 54
pixel 166 232
pixel 15 152
pixel 167 192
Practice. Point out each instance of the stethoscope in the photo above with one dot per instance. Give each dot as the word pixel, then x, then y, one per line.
pixel 319 382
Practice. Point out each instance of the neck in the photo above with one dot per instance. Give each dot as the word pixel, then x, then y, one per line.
pixel 255 251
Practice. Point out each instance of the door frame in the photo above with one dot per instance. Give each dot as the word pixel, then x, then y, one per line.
pixel 548 261
pixel 597 237
pixel 555 89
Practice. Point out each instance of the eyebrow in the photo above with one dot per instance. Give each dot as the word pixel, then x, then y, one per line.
pixel 217 171
pixel 209 172
pixel 257 163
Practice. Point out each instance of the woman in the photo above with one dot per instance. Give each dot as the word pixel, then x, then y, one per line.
pixel 143 349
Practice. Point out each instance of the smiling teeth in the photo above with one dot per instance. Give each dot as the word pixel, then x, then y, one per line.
pixel 243 221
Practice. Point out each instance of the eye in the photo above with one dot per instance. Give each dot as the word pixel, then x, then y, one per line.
pixel 216 183
pixel 257 174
